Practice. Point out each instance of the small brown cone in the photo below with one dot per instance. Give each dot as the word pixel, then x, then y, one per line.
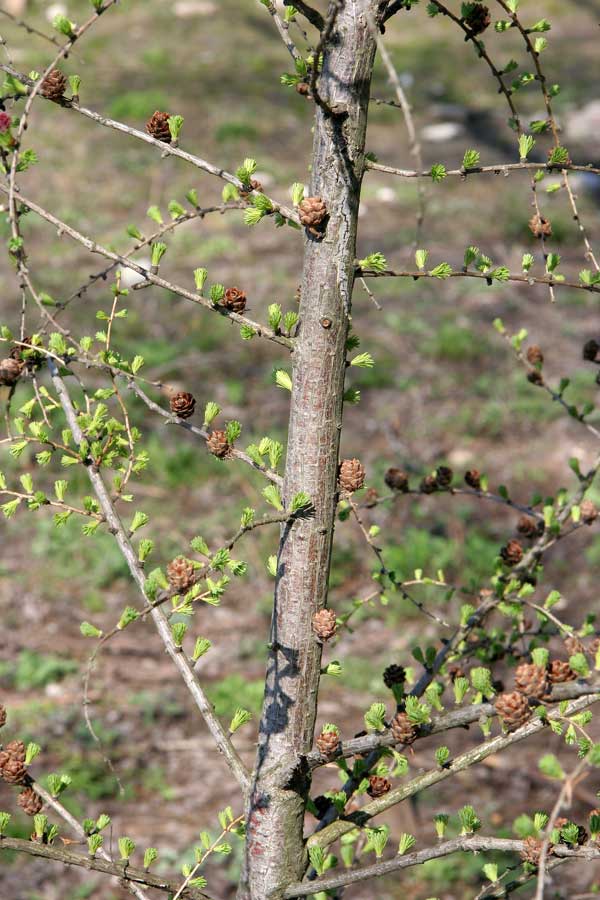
pixel 10 371
pixel 328 742
pixel 181 573
pixel 253 185
pixel 573 645
pixel 324 624
pixel 528 527
pixel 590 350
pixel 12 762
pixel 512 553
pixel 2 715
pixel 428 484
pixel 532 851
pixel 540 227
pixel 183 404
pixel 351 475
pixel 473 479
pixel 513 709
pixel 158 127
pixel 532 681
pixel 378 786
pixel 588 511
pixel 218 444
pixel 478 18
pixel 444 476
pixel 535 357
pixel 396 479
pixel 535 377
pixel 313 215
pixel 560 671
pixel 30 802
pixel 394 675
pixel 403 730
pixel 54 86
pixel 234 300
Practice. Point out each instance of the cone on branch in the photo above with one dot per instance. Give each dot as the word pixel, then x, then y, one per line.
pixel 403 730
pixel 158 127
pixel 428 485
pixel 532 681
pixel 313 215
pixel 234 300
pixel 535 357
pixel 2 715
pixel 54 85
pixel 324 624
pixel 10 371
pixel 444 476
pixel 396 479
pixel 573 645
pixel 378 786
pixel 351 475
pixel 12 762
pixel 532 851
pixel 394 675
pixel 590 351
pixel 529 527
pixel 477 17
pixel 512 553
pixel 181 573
pixel 328 740
pixel 513 709
pixel 540 227
pixel 183 404
pixel 535 377
pixel 218 443
pixel 253 185
pixel 473 479
pixel 588 511
pixel 30 802
pixel 560 671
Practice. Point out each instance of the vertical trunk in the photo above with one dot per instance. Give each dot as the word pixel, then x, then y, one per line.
pixel 275 849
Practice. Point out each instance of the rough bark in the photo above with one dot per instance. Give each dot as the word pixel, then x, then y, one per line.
pixel 275 854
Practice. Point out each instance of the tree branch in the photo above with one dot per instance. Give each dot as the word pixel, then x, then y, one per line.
pixel 459 844
pixel 459 718
pixel 93 247
pixel 471 757
pixel 125 873
pixel 186 671
pixel 498 169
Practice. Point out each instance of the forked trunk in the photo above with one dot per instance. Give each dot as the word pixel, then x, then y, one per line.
pixel 275 853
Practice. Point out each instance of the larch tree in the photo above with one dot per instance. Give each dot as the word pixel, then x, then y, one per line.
pixel 73 415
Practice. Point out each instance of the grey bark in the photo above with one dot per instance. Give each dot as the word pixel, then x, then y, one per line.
pixel 275 851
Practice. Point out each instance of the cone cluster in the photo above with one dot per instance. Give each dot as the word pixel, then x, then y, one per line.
pixel 12 762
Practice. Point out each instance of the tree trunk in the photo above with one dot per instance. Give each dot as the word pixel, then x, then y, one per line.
pixel 275 852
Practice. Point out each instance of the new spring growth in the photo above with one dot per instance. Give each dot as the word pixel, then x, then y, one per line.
pixel 158 251
pixel 240 717
pixel 333 668
pixel 471 159
pixel 297 193
pixel 481 678
pixel 274 316
pixel 175 126
pixel 216 293
pixel 469 820
pixel 441 821
pixel 4 820
pixel 58 783
pixel 64 25
pixel 442 755
pixel 126 848
pixel 150 856
pixel 375 717
pixel 407 842
pixel 377 839
pixel 102 822
pixel 32 752
pixel 490 870
pixel 94 841
pixel 374 262
pixel 283 379
pixel 40 823
pixel 317 859
pixel 202 647
pixel 579 664
pixel 178 630
pixel 540 657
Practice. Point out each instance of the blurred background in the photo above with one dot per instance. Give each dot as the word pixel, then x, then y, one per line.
pixel 445 390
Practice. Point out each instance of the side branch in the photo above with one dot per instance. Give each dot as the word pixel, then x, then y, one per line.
pixel 459 718
pixel 180 660
pixel 336 829
pixel 498 169
pixel 93 247
pixel 93 864
pixel 166 149
pixel 459 844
